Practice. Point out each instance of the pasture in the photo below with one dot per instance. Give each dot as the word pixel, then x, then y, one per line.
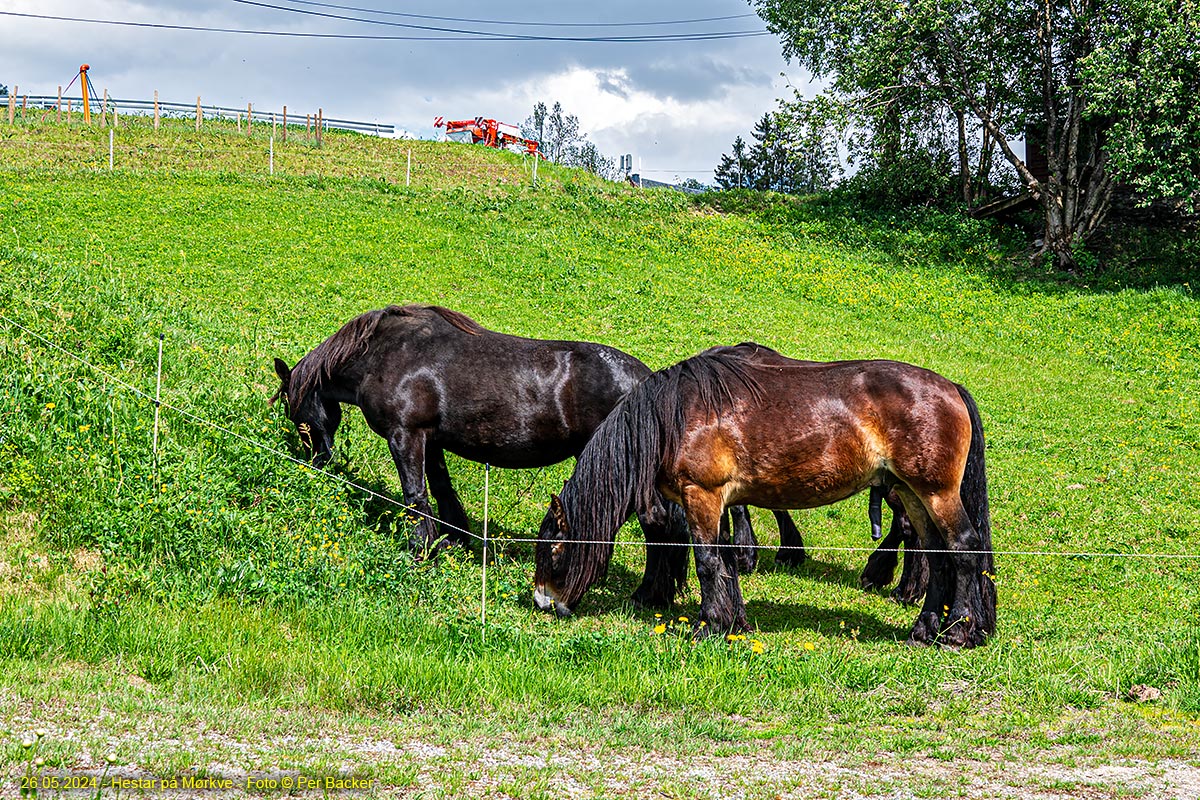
pixel 224 611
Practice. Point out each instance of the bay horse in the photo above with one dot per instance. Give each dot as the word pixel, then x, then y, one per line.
pixel 744 424
pixel 430 380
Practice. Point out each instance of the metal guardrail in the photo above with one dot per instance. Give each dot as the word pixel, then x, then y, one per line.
pixel 180 110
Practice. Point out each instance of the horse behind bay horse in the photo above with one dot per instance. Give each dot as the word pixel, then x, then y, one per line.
pixel 744 424
pixel 431 380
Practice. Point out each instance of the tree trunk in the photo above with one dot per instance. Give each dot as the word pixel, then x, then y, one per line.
pixel 964 164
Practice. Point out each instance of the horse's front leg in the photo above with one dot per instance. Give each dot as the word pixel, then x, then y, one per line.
pixel 666 535
pixel 791 551
pixel 408 451
pixel 721 606
pixel 455 524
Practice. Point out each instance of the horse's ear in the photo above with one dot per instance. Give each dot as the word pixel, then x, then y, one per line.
pixel 560 516
pixel 285 377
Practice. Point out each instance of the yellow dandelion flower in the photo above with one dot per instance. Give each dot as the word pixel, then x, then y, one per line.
pixel 757 647
pixel 49 406
pixel 683 619
pixel 660 628
pixel 809 646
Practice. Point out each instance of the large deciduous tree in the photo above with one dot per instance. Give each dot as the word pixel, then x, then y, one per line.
pixel 1103 88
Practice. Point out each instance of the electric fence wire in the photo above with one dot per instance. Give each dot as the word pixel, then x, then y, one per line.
pixel 526 541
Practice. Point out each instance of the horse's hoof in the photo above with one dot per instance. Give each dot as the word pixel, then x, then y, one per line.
pixel 647 600
pixel 790 557
pixel 925 629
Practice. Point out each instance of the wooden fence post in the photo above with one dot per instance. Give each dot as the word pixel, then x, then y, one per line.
pixel 156 109
pixel 285 123
pixel 307 126
pixel 320 124
pixel 199 114
pixel 12 108
pixel 249 116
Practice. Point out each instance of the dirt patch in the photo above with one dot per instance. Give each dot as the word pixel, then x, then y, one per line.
pixel 409 757
pixel 27 568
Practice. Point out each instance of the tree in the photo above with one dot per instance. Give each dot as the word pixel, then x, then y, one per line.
pixel 1000 70
pixel 1144 82
pixel 794 150
pixel 809 129
pixel 561 141
pixel 534 126
pixel 772 160
pixel 736 171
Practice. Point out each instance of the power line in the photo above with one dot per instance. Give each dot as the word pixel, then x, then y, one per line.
pixel 530 23
pixel 468 32
pixel 472 36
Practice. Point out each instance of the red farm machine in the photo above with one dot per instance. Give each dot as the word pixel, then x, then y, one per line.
pixel 489 132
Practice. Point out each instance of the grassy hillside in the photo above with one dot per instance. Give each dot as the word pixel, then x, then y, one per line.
pixel 224 581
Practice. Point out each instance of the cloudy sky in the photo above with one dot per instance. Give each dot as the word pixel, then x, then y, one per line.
pixel 675 105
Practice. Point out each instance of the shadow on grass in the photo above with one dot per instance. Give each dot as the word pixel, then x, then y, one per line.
pixel 813 569
pixel 769 616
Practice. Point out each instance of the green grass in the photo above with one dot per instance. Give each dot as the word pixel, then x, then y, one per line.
pixel 227 582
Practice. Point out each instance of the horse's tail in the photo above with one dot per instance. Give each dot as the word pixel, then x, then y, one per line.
pixel 974 495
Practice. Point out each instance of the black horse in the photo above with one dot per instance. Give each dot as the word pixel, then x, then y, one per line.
pixel 746 425
pixel 431 380
pixel 881 565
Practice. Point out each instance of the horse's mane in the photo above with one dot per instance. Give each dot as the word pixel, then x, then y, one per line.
pixel 354 336
pixel 617 472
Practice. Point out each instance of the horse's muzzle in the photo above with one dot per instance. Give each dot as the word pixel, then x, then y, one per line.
pixel 549 603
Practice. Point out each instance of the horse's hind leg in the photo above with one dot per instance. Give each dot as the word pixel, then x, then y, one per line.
pixel 666 535
pixel 928 623
pixel 914 578
pixel 881 565
pixel 455 525
pixel 791 551
pixel 745 549
pixel 953 608
pixel 966 623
